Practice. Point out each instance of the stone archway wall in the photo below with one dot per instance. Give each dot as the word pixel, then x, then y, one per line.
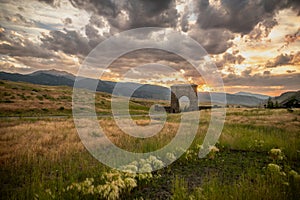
pixel 187 90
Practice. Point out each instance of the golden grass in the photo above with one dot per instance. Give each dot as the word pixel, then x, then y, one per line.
pixel 48 152
pixel 47 138
pixel 279 118
pixel 24 96
pixel 29 99
pixel 53 138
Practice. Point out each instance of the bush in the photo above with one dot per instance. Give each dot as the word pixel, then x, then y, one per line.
pixel 61 108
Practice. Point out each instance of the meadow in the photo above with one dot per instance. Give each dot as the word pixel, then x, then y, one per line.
pixel 256 157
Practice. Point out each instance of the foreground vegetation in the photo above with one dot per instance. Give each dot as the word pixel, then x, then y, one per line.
pixel 257 156
pixel 44 159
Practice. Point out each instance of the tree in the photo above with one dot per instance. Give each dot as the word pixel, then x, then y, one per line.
pixel 270 103
pixel 276 104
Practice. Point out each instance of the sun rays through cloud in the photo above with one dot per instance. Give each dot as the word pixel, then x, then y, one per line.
pixel 254 44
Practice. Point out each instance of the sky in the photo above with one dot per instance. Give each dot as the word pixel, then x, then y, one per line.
pixel 253 43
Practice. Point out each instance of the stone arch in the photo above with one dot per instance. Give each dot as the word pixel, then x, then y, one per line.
pixel 188 90
pixel 184 103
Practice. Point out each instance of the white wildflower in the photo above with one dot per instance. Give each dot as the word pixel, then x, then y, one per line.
pixel 276 154
pixel 213 149
pixel 274 168
pixel 293 173
pixel 146 168
pixel 130 168
pixel 170 157
pixel 130 183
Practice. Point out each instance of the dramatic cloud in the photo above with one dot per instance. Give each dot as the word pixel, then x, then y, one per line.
pixel 290 71
pixel 279 60
pixel 69 42
pixel 290 38
pixel 247 72
pixel 284 59
pixel 239 16
pixel 51 2
pixel 184 22
pixel 266 73
pixel 133 60
pixel 214 41
pixel 18 19
pixel 93 35
pixel 262 29
pixel 107 8
pixel 254 43
pixel 152 13
pixel 12 68
pixel 285 81
pixel 132 14
pixel 14 44
pixel 67 21
pixel 145 56
pixel 229 58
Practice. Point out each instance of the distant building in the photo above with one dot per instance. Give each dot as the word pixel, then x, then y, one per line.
pixel 178 91
pixel 188 90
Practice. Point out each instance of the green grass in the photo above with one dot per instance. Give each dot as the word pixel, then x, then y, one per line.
pixel 43 155
pixel 24 99
pixel 239 168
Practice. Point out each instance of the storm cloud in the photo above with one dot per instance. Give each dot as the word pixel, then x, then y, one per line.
pixel 69 42
pixel 216 23
pixel 253 43
pixel 15 44
pixel 286 81
pixel 239 16
pixel 132 14
pixel 229 58
pixel 284 59
pixel 214 41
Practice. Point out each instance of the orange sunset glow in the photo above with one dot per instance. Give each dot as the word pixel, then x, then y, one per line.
pixel 254 44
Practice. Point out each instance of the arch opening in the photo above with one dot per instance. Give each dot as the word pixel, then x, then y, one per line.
pixel 188 93
pixel 184 104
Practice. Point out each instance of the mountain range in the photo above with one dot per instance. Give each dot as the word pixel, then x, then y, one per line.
pixel 287 99
pixel 59 78
pixel 259 96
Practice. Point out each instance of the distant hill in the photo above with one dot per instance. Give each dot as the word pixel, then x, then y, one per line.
pixel 259 96
pixel 287 99
pixel 59 78
pixel 232 99
pixel 54 72
pixel 39 77
pixel 285 96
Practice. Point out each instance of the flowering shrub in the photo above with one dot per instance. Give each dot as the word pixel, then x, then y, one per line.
pixel 189 154
pixel 170 157
pixel 293 173
pixel 273 168
pixel 276 154
pixel 85 187
pixel 143 165
pixel 192 154
pixel 212 152
pixel 115 183
pixel 278 173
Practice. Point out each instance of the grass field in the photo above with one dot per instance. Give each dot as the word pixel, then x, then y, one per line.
pixel 24 99
pixel 257 156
